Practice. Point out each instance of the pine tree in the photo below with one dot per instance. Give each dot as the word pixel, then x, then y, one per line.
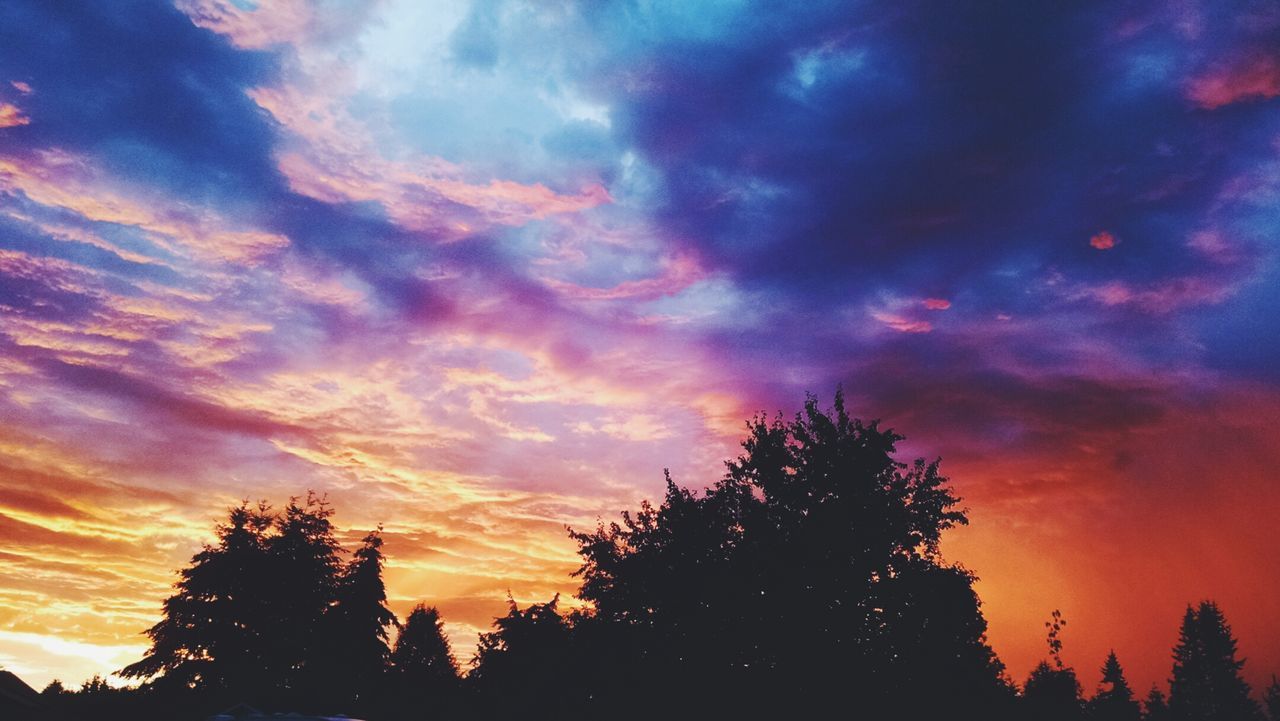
pixel 1207 684
pixel 1114 700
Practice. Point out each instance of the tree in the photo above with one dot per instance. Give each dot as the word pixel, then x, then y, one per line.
pixel 214 634
pixel 353 654
pixel 523 664
pixel 424 673
pixel 808 575
pixel 422 653
pixel 1207 684
pixel 269 615
pixel 1114 700
pixel 54 689
pixel 304 558
pixel 1155 708
pixel 1052 692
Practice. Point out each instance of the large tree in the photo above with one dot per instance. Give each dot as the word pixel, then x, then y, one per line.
pixel 215 632
pixel 809 575
pixel 1207 684
pixel 263 615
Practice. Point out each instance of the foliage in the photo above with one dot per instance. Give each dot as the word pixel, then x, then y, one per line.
pixel 810 572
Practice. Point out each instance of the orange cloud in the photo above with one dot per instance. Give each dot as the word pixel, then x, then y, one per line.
pixel 11 116
pixel 1103 240
pixel 62 180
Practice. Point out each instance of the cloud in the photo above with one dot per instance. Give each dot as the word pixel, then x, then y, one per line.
pixel 1102 240
pixel 11 116
pixel 1252 78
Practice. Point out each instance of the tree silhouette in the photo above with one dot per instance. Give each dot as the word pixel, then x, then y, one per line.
pixel 270 615
pixel 214 635
pixel 1052 692
pixel 809 575
pixel 1155 707
pixel 1206 683
pixel 522 665
pixel 352 653
pixel 1114 700
pixel 424 673
pixel 305 564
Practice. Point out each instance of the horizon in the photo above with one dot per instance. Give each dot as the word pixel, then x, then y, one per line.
pixel 482 269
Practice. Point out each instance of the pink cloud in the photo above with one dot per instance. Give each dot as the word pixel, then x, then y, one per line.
pixel 901 324
pixel 1251 78
pixel 1161 297
pixel 21 87
pixel 331 156
pixel 271 23
pixel 937 303
pixel 678 273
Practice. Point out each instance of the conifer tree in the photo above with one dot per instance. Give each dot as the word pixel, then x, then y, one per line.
pixel 1207 684
pixel 1114 700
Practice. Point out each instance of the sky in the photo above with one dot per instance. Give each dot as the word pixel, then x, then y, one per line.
pixel 482 269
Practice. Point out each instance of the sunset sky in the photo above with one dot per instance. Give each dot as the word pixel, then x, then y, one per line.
pixel 481 269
